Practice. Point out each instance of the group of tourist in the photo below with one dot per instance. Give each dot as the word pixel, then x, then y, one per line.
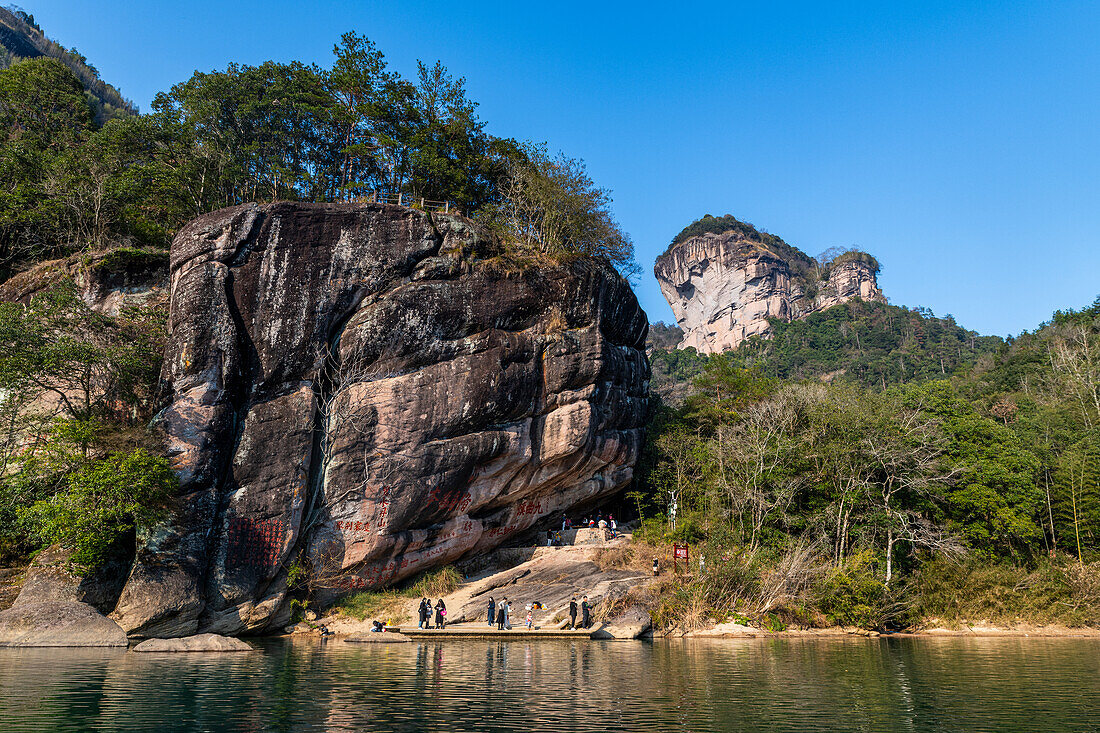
pixel 499 613
pixel 597 522
pixel 425 614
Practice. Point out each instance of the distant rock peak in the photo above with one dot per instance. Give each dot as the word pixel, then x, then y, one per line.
pixel 725 286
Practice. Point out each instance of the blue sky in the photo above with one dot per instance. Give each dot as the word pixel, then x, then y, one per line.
pixel 957 141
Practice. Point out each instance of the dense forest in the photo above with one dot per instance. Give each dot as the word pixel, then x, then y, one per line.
pixel 22 38
pixel 876 465
pixel 871 344
pixel 77 463
pixel 277 131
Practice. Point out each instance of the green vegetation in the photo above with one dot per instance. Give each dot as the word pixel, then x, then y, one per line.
pixel 397 604
pixel 77 465
pixel 21 38
pixel 132 259
pixel 71 180
pixel 98 501
pixel 869 344
pixel 962 484
pixel 729 223
pixel 872 344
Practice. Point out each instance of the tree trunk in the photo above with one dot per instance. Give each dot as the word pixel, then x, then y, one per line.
pixel 1050 515
pixel 889 555
pixel 1076 524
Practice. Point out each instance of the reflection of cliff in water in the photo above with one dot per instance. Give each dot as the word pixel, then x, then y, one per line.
pixel 566 685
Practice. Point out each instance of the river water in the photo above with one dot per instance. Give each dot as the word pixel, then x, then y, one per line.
pixel 788 684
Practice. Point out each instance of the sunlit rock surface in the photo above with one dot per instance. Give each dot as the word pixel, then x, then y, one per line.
pixel 724 288
pixel 363 392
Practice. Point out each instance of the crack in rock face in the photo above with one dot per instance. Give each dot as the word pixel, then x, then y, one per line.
pixel 350 390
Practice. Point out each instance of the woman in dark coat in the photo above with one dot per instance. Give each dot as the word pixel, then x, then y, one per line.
pixel 492 610
pixel 424 613
pixel 440 613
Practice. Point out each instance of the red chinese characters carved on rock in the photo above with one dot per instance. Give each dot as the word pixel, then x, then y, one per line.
pixel 451 502
pixel 529 507
pixel 254 542
pixel 349 526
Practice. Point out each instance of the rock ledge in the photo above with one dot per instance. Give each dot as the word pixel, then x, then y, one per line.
pixel 196 643
pixel 58 624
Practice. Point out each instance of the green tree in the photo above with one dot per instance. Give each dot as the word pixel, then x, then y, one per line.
pixel 60 351
pixel 42 105
pixel 551 205
pixel 100 501
pixel 994 496
pixel 43 113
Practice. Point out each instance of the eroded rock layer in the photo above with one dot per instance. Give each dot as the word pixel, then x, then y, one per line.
pixel 724 288
pixel 355 397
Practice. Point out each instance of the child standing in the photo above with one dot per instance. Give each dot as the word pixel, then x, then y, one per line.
pixel 529 619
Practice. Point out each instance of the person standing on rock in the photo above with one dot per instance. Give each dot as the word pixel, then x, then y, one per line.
pixel 492 611
pixel 502 614
pixel 423 613
pixel 573 613
pixel 440 613
pixel 586 613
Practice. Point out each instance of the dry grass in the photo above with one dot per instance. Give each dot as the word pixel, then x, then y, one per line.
pixel 639 556
pixel 1065 593
pixel 396 606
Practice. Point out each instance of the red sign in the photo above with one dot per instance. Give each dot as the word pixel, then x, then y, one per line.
pixel 680 552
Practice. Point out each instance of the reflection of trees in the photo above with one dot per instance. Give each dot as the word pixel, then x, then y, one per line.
pixel 491 685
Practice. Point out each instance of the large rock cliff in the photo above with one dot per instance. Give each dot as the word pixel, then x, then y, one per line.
pixel 357 393
pixel 724 287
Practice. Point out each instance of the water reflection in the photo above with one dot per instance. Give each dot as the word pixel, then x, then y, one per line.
pixel 565 685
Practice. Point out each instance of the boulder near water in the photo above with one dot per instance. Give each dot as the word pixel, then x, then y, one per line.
pixel 357 393
pixel 196 643
pixel 59 624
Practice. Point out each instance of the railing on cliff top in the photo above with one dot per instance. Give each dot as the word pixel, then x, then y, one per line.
pixel 404 199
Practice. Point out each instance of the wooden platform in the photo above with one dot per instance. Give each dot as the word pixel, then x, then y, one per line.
pixel 484 631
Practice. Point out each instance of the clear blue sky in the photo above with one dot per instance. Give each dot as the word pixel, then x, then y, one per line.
pixel 957 141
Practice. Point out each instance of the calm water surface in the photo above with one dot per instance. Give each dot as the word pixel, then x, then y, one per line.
pixel 566 685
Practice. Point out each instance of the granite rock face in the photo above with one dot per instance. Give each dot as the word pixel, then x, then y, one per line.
pixel 106 281
pixel 51 579
pixel 58 623
pixel 723 288
pixel 356 391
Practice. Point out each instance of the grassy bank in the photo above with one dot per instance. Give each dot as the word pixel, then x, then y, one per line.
pixel 801 589
pixel 395 605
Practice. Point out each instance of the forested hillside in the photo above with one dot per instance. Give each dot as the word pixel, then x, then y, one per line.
pixel 870 344
pixel 21 38
pixel 877 465
pixel 277 131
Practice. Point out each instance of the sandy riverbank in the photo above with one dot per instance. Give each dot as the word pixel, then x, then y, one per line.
pixel 980 629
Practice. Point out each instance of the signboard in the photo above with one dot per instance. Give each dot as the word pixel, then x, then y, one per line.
pixel 679 552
